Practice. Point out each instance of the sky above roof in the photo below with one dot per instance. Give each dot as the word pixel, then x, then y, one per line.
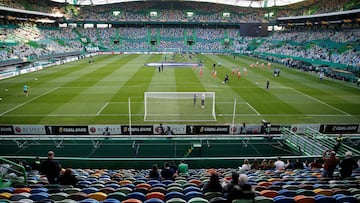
pixel 242 3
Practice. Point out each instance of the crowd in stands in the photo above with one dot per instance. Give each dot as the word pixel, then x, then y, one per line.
pixel 343 46
pixel 203 12
pixel 323 45
pixel 271 180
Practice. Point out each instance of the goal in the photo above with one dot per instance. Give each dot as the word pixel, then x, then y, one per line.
pixel 172 50
pixel 179 106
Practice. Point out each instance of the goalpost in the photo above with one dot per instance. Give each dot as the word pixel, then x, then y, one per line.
pixel 172 50
pixel 179 106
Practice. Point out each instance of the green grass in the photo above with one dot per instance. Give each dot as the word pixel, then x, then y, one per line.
pixel 83 93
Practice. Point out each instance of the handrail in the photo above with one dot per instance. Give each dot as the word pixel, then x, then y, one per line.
pixel 329 142
pixel 306 145
pixel 20 171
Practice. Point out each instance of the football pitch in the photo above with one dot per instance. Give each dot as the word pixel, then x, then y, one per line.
pixel 111 91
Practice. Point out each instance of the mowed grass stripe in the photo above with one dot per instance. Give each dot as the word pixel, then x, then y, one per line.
pixel 14 95
pixel 136 75
pixel 327 91
pixel 51 102
pixel 294 97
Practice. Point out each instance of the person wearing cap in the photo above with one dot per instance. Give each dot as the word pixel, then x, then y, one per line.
pixel 330 162
pixel 347 165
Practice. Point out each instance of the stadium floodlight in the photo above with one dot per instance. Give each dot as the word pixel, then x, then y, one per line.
pixel 179 106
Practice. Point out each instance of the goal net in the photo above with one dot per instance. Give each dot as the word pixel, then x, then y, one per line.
pixel 179 106
pixel 172 50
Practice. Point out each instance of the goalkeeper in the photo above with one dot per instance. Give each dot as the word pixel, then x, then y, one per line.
pixel 203 100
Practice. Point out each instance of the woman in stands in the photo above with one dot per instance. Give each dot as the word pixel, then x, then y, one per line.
pixel 67 178
pixel 213 185
pixel 154 173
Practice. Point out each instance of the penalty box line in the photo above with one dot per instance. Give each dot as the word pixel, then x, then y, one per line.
pixel 257 113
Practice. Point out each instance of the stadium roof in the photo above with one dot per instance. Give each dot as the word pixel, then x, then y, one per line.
pixel 242 3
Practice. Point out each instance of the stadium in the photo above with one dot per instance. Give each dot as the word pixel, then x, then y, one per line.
pixel 113 88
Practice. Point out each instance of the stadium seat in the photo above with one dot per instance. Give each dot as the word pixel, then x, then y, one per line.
pixel 99 196
pixel 157 195
pixel 143 185
pixel 117 195
pixel 192 194
pixel 283 199
pixel 72 190
pixel 269 193
pixel 158 189
pixel 154 200
pixel 340 198
pixel 89 190
pixel 88 201
pixel 21 190
pixel 131 201
pixel 113 185
pixel 198 200
pixel 262 199
pixel 19 196
pixel 111 200
pixel 287 193
pixel 305 192
pixel 58 196
pixel 171 195
pixel 191 188
pixel 5 195
pixel 39 196
pixel 324 199
pixel 38 190
pixel 78 196
pixel 125 190
pixel 152 182
pixel 326 192
pixel 176 200
pixel 136 195
pixel 304 199
pixel 243 201
pixel 175 189
pixel 167 182
pixel 7 189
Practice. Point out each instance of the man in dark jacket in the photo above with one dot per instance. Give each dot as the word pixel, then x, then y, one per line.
pixel 51 168
pixel 347 165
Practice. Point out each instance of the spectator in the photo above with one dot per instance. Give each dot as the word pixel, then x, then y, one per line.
pixel 338 142
pixel 241 191
pixel 167 173
pixel 68 178
pixel 51 168
pixel 347 165
pixel 154 173
pixel 330 162
pixel 289 165
pixel 227 187
pixel 246 166
pixel 173 166
pixel 298 164
pixel 183 168
pixel 255 165
pixel 213 185
pixel 315 164
pixel 36 165
pixel 279 164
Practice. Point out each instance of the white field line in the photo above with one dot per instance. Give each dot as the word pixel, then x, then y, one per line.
pixel 102 108
pixel 253 109
pixel 223 115
pixel 28 101
pixel 313 98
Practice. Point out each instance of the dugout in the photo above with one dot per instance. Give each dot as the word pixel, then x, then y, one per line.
pixel 342 75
